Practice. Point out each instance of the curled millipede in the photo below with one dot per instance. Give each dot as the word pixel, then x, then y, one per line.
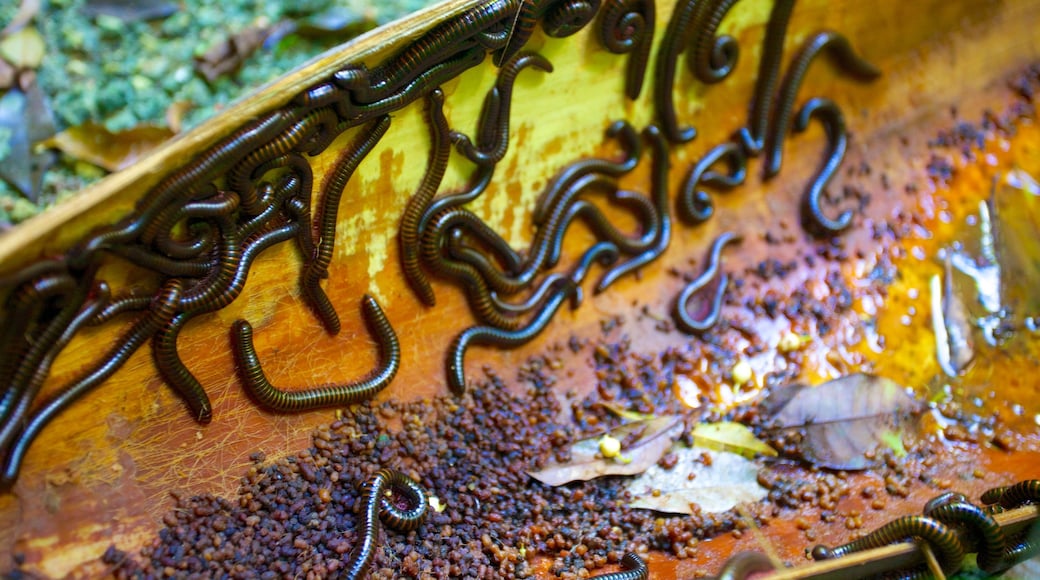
pixel 627 26
pixel 492 336
pixel 813 218
pixel 839 48
pixel 375 507
pixel 276 399
pixel 694 205
pixel 954 509
pixel 683 319
pixel 632 568
pixel 713 58
pixel 686 19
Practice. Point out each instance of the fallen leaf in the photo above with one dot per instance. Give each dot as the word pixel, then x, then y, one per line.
pixel 131 10
pixel 731 437
pixel 26 11
pixel 226 57
pixel 654 437
pixel 24 48
pixel 338 21
pixel 954 348
pixel 625 414
pixel 113 151
pixel 716 486
pixel 15 152
pixel 175 114
pixel 841 420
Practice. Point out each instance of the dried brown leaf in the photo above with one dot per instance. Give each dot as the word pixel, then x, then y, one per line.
pixel 226 57
pixel 25 119
pixel 175 115
pixel 714 486
pixel 654 438
pixel 112 151
pixel 841 420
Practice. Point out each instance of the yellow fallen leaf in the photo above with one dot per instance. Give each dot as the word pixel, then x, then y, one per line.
pixel 113 151
pixel 23 48
pixel 731 437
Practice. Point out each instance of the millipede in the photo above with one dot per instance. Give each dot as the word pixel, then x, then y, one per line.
pixel 744 565
pixel 695 205
pixel 954 509
pixel 712 58
pixel 829 114
pixel 686 17
pixel 839 48
pixel 328 210
pixel 375 507
pixel 632 568
pixel 683 319
pixel 627 26
pixel 271 397
pixel 754 135
pixel 408 233
pixel 566 17
pixel 496 128
pixel 941 538
pixel 492 336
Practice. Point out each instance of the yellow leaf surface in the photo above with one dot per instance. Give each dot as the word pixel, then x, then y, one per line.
pixel 732 437
pixel 113 151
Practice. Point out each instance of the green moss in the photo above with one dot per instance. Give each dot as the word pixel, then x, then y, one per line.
pixel 122 74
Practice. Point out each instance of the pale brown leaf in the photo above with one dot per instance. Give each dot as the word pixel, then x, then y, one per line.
pixel 841 420
pixel 175 114
pixel 715 486
pixel 112 151
pixel 655 438
pixel 226 57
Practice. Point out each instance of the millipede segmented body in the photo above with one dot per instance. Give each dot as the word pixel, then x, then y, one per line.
pixel 942 539
pixel 627 26
pixel 713 58
pixel 829 114
pixel 632 568
pixel 988 537
pixel 492 336
pixel 276 399
pixel 694 324
pixel 328 210
pixel 754 135
pixel 743 566
pixel 695 206
pixel 834 44
pixel 686 19
pixel 408 234
pixel 375 506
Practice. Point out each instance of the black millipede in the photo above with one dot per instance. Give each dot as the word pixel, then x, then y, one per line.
pixel 437 238
pixel 743 566
pixel 941 538
pixel 271 397
pixel 696 206
pixel 839 48
pixel 606 253
pixel 753 136
pixel 1019 494
pixel 627 26
pixel 162 310
pixel 409 233
pixel 632 147
pixel 712 58
pixel 632 568
pixel 532 301
pixel 527 15
pixel 163 265
pixel 683 319
pixel 160 233
pixel 686 18
pixel 659 193
pixel 987 535
pixel 375 507
pixel 9 426
pixel 326 217
pixel 175 373
pixel 477 291
pixel 492 336
pixel 479 182
pixel 497 126
pixel 813 218
pixel 566 17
